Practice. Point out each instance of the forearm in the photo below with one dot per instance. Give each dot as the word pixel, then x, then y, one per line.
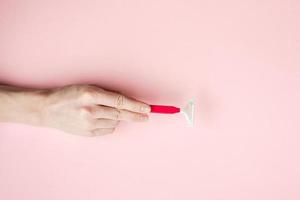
pixel 20 105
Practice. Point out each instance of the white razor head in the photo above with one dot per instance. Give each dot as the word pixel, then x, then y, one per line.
pixel 189 112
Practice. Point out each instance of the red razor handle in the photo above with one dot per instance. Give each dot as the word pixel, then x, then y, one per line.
pixel 164 109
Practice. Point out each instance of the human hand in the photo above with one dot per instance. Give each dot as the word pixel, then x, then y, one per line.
pixel 89 110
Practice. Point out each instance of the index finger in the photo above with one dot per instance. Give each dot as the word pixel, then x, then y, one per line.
pixel 120 101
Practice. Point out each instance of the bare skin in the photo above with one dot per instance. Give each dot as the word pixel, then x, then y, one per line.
pixel 85 110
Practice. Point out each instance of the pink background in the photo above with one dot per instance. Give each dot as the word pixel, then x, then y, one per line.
pixel 238 59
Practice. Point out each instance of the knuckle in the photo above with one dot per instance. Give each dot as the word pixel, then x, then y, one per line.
pixel 117 114
pixel 85 96
pixel 94 111
pixel 87 92
pixel 85 111
pixel 119 101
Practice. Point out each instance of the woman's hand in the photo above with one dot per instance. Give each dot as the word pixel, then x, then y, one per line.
pixel 78 109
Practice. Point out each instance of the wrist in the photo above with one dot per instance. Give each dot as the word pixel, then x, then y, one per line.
pixel 22 105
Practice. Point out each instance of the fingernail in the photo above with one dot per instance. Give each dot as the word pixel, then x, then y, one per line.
pixel 146 109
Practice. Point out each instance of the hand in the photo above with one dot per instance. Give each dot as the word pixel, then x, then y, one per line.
pixel 78 109
pixel 89 110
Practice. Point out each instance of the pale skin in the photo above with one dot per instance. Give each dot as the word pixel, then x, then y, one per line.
pixel 85 110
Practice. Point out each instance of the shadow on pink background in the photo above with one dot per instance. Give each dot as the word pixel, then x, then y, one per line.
pixel 238 59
